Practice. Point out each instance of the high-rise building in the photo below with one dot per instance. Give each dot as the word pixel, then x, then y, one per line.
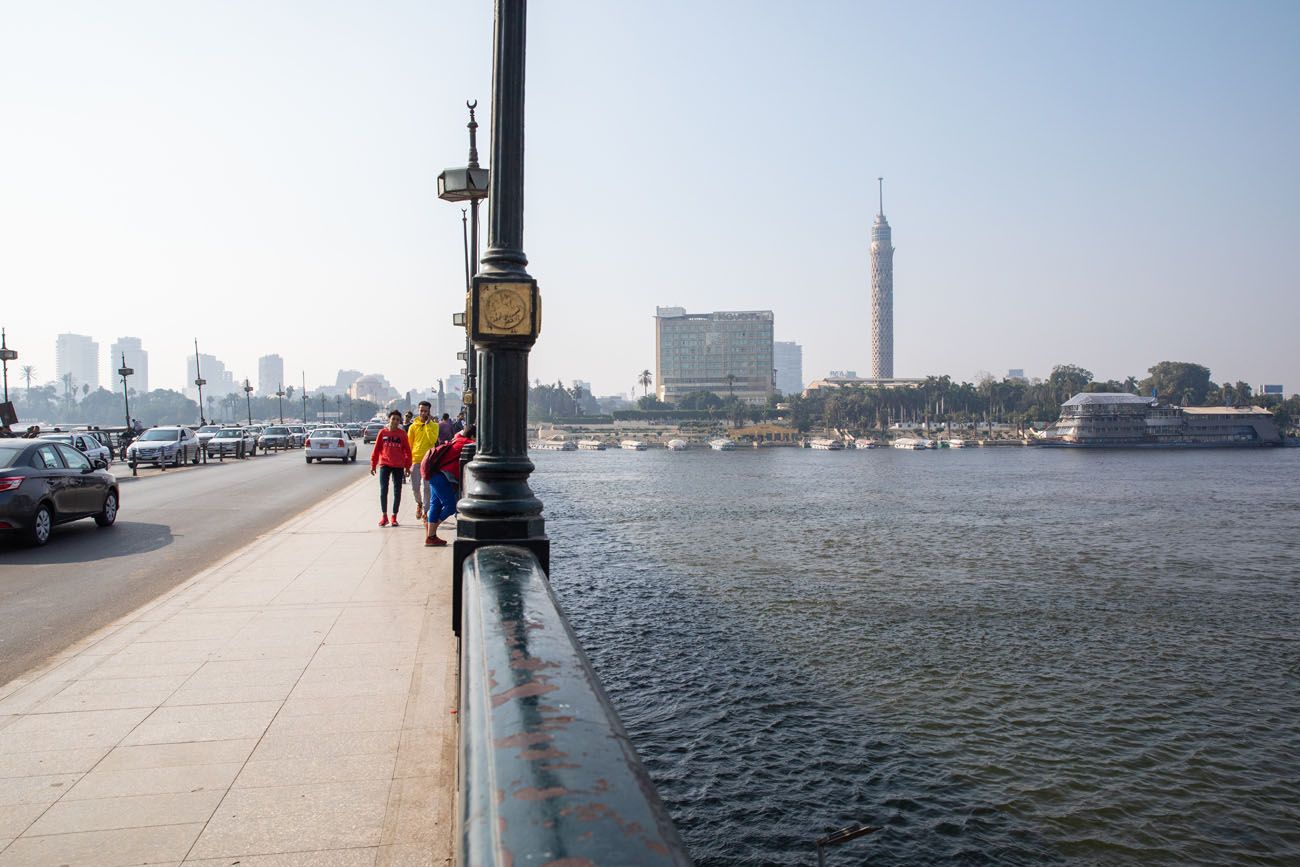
pixel 727 353
pixel 136 358
pixel 882 294
pixel 78 355
pixel 787 358
pixel 220 382
pixel 270 374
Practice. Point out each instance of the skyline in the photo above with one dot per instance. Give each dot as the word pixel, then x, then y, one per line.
pixel 1068 191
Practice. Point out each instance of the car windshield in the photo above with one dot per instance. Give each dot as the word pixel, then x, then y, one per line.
pixel 209 429
pixel 326 433
pixel 63 438
pixel 277 431
pixel 376 427
pixel 229 435
pixel 165 436
pixel 9 452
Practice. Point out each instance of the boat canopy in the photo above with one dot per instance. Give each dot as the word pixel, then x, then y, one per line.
pixel 1102 398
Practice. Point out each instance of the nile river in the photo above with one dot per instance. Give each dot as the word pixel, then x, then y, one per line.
pixel 997 656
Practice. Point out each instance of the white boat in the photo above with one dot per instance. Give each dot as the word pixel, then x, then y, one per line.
pixel 957 443
pixel 909 443
pixel 632 445
pixel 556 445
pixel 678 445
pixel 722 444
pixel 591 445
pixel 827 444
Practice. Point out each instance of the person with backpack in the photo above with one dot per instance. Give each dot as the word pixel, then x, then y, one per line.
pixel 392 455
pixel 441 469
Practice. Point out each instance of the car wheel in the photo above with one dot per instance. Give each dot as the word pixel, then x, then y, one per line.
pixel 109 514
pixel 195 459
pixel 178 458
pixel 42 525
pixel 309 461
pixel 253 450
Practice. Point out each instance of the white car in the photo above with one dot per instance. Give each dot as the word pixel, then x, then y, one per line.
pixel 171 445
pixel 207 432
pixel 297 435
pixel 88 445
pixel 330 442
pixel 236 441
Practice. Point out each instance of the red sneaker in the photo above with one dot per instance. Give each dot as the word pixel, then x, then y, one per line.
pixel 383 520
pixel 433 542
pixel 394 520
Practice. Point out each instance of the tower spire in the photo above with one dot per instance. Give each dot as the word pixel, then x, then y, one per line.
pixel 881 183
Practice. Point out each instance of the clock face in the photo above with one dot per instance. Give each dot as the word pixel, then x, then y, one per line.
pixel 505 308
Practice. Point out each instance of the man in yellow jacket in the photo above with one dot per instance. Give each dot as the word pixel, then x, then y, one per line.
pixel 423 434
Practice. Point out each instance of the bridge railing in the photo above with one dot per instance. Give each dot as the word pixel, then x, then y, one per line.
pixel 547 773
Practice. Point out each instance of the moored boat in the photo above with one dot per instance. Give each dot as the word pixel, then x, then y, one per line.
pixel 828 444
pixel 555 445
pixel 722 444
pixel 677 445
pixel 909 443
pixel 632 445
pixel 956 443
pixel 591 445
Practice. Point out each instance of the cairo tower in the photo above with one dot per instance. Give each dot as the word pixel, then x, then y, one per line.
pixel 882 294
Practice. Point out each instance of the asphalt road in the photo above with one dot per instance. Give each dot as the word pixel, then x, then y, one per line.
pixel 171 526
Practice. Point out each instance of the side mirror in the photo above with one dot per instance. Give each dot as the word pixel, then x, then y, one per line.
pixel 101 464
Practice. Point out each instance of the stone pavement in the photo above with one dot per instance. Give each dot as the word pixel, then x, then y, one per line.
pixel 292 705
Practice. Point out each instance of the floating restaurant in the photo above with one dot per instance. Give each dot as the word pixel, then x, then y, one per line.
pixel 1116 420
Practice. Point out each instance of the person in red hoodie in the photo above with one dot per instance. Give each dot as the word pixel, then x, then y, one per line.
pixel 392 455
pixel 441 472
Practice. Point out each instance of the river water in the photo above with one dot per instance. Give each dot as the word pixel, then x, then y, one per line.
pixel 996 656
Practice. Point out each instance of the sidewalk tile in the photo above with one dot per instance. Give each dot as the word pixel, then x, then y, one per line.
pixel 126 758
pixel 321 858
pixel 166 844
pixel 15 818
pixel 44 789
pixel 346 743
pixel 410 855
pixel 45 762
pixel 176 779
pixel 132 811
pixel 316 769
pixel 204 722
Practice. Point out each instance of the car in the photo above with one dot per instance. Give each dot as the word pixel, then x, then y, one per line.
pixel 299 435
pixel 83 442
pixel 372 431
pixel 236 441
pixel 48 482
pixel 330 442
pixel 207 432
pixel 354 430
pixel 275 437
pixel 105 439
pixel 161 446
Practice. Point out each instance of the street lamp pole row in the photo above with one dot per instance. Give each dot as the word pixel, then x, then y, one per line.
pixel 7 355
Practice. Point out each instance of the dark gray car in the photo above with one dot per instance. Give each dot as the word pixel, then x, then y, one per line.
pixel 44 483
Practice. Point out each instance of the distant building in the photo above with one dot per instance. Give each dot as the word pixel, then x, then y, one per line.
pixel 270 374
pixel 345 378
pixel 1272 389
pixel 842 374
pixel 1017 374
pixel 136 358
pixel 78 355
pixel 847 379
pixel 727 353
pixel 220 382
pixel 882 294
pixel 787 358
pixel 373 387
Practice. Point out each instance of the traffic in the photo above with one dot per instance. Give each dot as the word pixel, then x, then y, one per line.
pixel 55 477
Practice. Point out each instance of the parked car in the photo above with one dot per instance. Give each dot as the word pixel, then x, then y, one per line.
pixel 275 437
pixel 47 482
pixel 354 430
pixel 299 435
pixel 105 439
pixel 331 442
pixel 236 441
pixel 161 446
pixel 83 442
pixel 207 432
pixel 372 431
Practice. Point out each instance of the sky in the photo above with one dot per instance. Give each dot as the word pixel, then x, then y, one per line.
pixel 1108 184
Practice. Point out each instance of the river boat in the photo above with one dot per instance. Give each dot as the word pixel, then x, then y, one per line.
pixel 826 444
pixel 591 445
pixel 676 445
pixel 909 443
pixel 1118 420
pixel 956 443
pixel 632 445
pixel 722 444
pixel 555 445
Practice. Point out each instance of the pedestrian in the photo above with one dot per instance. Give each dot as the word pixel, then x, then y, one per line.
pixel 392 455
pixel 423 435
pixel 406 422
pixel 445 430
pixel 458 424
pixel 442 481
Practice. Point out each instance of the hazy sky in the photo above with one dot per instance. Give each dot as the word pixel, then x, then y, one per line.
pixel 1108 184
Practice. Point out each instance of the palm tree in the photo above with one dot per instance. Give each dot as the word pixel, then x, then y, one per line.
pixel 731 385
pixel 28 373
pixel 645 378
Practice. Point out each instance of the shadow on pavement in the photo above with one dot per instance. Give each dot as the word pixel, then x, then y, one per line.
pixel 84 542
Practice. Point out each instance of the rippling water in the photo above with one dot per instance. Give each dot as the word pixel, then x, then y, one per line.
pixel 997 656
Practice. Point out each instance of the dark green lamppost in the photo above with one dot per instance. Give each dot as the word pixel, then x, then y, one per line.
pixel 248 401
pixel 124 372
pixel 469 184
pixel 199 381
pixel 304 397
pixel 503 318
pixel 279 399
pixel 6 355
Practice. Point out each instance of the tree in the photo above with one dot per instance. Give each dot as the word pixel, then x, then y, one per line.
pixel 1178 381
pixel 1068 380
pixel 648 402
pixel 645 378
pixel 700 400
pixel 28 372
pixel 731 384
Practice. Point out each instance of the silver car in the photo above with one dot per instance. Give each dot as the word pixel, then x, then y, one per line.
pixel 171 446
pixel 85 443
pixel 237 441
pixel 298 435
pixel 330 442
pixel 207 432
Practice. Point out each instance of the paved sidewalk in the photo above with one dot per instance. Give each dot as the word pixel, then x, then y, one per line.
pixel 292 705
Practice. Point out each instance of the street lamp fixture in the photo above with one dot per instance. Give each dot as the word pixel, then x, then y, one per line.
pixel 199 381
pixel 469 184
pixel 124 372
pixel 279 399
pixel 248 401
pixel 6 355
